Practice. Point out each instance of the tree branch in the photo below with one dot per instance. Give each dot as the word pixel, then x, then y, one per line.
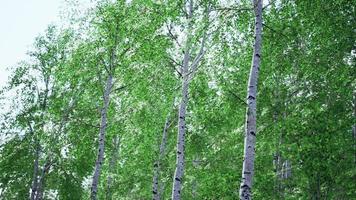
pixel 201 53
pixel 172 36
pixel 238 98
pixel 119 88
pixel 233 9
pixel 273 30
pixel 104 64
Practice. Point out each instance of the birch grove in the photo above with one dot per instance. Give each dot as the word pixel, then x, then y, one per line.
pixel 147 99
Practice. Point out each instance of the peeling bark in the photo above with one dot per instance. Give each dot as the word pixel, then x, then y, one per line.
pixel 102 132
pixel 250 131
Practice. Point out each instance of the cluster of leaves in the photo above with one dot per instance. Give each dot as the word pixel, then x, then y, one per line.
pixel 306 103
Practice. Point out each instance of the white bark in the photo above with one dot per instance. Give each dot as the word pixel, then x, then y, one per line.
pixel 187 74
pixel 178 175
pixel 102 132
pixel 250 131
pixel 110 69
pixel 157 165
pixel 179 171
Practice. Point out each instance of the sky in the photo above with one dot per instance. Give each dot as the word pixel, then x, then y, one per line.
pixel 20 22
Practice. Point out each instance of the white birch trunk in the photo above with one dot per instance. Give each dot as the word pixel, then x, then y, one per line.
pixel 250 131
pixel 102 131
pixel 179 171
pixel 178 174
pixel 187 74
pixel 157 165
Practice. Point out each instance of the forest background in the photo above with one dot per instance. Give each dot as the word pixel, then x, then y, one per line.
pixel 147 99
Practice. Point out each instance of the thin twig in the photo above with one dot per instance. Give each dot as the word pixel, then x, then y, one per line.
pixel 273 30
pixel 171 35
pixel 238 98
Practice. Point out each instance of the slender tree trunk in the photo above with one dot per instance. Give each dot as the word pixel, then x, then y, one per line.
pixel 35 180
pixel 318 192
pixel 157 165
pixel 37 187
pixel 250 131
pixel 41 180
pixel 178 175
pixel 112 166
pixel 35 173
pixel 102 131
pixel 277 161
pixel 277 155
pixel 187 73
pixel 179 171
pixel 354 126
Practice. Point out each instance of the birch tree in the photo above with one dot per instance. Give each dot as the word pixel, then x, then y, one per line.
pixel 162 150
pixel 188 68
pixel 127 29
pixel 109 63
pixel 251 111
pixel 308 73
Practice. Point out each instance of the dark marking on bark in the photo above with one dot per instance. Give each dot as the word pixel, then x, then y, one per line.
pixel 251 97
pixel 246 193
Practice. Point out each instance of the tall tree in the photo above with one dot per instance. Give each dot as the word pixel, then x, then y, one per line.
pixel 158 162
pixel 109 63
pixel 188 69
pixel 306 119
pixel 251 111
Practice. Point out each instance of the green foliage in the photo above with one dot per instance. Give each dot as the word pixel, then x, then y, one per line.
pixel 305 144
